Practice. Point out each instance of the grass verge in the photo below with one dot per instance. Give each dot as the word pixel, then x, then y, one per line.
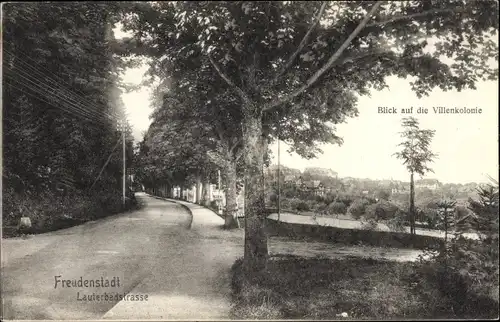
pixel 353 288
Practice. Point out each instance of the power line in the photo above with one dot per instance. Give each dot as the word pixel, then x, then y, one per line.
pixel 70 107
pixel 66 109
pixel 58 87
pixel 31 67
pixel 36 83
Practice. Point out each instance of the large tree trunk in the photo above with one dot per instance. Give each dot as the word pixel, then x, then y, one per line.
pixel 231 205
pixel 198 193
pixel 181 193
pixel 256 252
pixel 206 192
pixel 412 205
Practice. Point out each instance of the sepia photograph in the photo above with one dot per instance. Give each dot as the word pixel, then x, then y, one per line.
pixel 249 160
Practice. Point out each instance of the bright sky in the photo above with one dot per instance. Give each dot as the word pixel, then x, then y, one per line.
pixel 467 144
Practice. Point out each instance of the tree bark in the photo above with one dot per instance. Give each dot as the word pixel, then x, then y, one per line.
pixel 231 205
pixel 412 205
pixel 206 191
pixel 198 194
pixel 256 251
pixel 181 193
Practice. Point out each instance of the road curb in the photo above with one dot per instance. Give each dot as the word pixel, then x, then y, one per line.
pixel 178 203
pixel 206 215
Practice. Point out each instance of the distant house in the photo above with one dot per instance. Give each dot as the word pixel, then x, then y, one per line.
pixel 289 178
pixel 314 186
pixel 431 184
pixel 398 187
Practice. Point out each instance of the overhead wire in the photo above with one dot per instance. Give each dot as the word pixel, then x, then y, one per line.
pixel 31 67
pixel 68 107
pixel 53 93
pixel 69 96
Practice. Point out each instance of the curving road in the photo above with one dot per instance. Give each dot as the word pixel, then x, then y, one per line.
pixel 151 251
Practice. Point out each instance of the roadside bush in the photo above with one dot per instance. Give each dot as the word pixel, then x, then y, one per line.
pixel 319 199
pixel 336 207
pixel 464 274
pixel 465 270
pixel 358 207
pixel 397 223
pixel 382 210
pixel 303 206
pixel 329 198
pixel 273 198
pixel 290 203
pixel 51 211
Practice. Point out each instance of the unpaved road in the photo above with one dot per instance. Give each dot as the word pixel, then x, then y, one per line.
pixel 151 251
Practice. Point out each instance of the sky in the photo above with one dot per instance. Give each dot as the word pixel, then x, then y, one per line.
pixel 466 144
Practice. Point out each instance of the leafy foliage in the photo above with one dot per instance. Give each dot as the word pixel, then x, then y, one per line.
pixel 61 103
pixel 296 80
pixel 416 153
pixel 467 269
pixel 382 210
pixel 358 207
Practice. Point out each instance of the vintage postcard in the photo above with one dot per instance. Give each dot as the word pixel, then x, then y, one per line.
pixel 250 160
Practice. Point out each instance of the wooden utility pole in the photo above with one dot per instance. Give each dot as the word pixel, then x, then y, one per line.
pixel 219 194
pixel 279 174
pixel 124 165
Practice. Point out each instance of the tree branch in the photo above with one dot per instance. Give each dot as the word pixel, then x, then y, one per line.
pixel 238 141
pixel 238 155
pixel 330 62
pixel 238 90
pixel 302 43
pixel 415 15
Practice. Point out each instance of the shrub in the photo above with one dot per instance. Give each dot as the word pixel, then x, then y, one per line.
pixel 336 207
pixel 49 210
pixel 382 210
pixel 397 223
pixel 302 206
pixel 429 216
pixel 329 198
pixel 358 207
pixel 290 203
pixel 467 270
pixel 273 198
pixel 319 199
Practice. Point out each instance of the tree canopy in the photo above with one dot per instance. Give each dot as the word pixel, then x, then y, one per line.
pixel 61 100
pixel 296 68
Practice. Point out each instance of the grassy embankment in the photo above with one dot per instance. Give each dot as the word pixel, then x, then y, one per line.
pixel 350 288
pixel 48 211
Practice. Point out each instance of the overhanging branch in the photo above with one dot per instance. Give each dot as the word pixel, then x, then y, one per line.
pixel 330 62
pixel 302 43
pixel 236 143
pixel 415 15
pixel 349 59
pixel 238 90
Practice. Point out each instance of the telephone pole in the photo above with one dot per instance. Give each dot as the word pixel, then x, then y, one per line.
pixel 279 173
pixel 124 165
pixel 219 194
